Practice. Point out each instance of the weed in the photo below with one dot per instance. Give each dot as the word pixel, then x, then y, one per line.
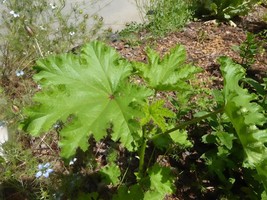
pixel 248 50
pixel 167 16
pixel 163 16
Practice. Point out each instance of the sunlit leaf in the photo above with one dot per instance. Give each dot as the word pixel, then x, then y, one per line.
pixel 90 93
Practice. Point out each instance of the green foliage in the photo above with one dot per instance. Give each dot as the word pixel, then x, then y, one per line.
pixel 247 118
pixel 156 113
pixel 111 174
pixel 161 183
pixel 248 50
pixel 93 91
pixel 156 186
pixel 169 73
pixel 99 97
pixel 17 170
pixel 223 9
pixel 31 29
pixel 181 137
pixel 165 16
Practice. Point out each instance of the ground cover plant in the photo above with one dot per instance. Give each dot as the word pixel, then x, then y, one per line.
pixel 139 127
pixel 122 104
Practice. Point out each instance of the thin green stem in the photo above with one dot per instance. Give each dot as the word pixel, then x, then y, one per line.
pixel 142 154
pixel 187 123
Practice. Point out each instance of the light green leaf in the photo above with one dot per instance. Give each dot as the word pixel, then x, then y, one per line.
pixel 226 139
pixel 111 173
pixel 245 115
pixel 161 182
pixel 169 73
pixel 157 113
pixel 181 137
pixel 135 192
pixel 89 93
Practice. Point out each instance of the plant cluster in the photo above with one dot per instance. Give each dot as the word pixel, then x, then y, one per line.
pixel 248 50
pixel 223 9
pixel 117 123
pixel 164 16
pixel 113 104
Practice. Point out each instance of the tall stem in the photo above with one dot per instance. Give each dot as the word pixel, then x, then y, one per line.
pixel 142 154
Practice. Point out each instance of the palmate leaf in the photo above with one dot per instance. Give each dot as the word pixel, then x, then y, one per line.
pixel 111 174
pixel 161 183
pixel 157 113
pixel 169 73
pixel 158 184
pixel 246 116
pixel 90 93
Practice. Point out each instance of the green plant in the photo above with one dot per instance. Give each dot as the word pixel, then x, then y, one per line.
pixel 109 98
pixel 165 16
pixel 223 9
pixel 16 170
pixel 31 30
pixel 247 116
pixel 102 95
pixel 248 50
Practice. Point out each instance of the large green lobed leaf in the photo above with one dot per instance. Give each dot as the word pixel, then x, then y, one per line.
pixel 246 116
pixel 90 93
pixel 169 73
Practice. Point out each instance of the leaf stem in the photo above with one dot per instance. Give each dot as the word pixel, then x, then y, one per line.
pixel 187 123
pixel 142 154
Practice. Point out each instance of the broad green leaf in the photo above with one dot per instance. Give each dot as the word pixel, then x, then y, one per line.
pixel 111 173
pixel 169 73
pixel 246 116
pixel 181 137
pixel 226 139
pixel 90 93
pixel 135 192
pixel 161 182
pixel 157 113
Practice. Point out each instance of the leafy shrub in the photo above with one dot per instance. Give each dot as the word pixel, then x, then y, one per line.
pixel 223 9
pixel 248 50
pixel 167 15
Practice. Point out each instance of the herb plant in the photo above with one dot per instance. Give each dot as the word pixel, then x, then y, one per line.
pixel 97 94
pixel 248 50
pixel 97 91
